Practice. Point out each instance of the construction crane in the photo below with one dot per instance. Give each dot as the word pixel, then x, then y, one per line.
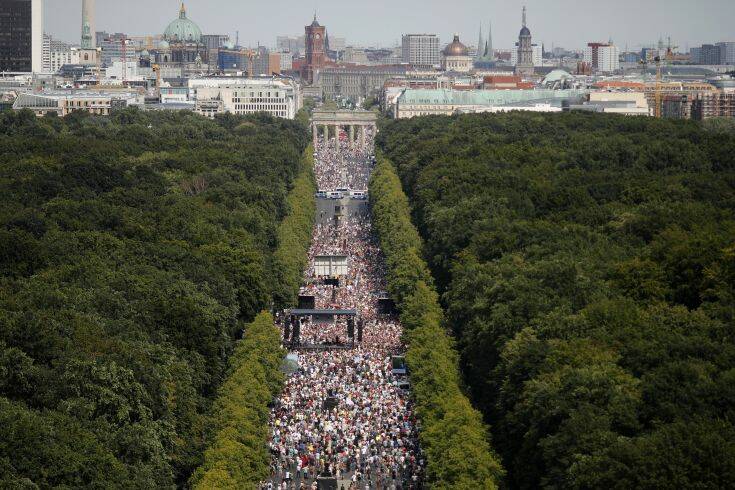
pixel 250 55
pixel 658 88
pixel 657 111
pixel 670 51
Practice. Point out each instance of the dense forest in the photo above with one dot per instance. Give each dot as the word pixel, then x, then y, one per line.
pixel 586 264
pixel 133 250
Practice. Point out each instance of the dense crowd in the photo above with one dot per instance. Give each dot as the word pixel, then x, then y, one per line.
pixel 343 166
pixel 343 413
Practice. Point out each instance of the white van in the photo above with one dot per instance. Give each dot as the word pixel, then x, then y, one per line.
pixel 335 195
pixel 361 195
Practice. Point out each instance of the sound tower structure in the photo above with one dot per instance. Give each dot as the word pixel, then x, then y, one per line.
pixel 286 329
pixel 296 335
pixel 350 328
pixel 360 327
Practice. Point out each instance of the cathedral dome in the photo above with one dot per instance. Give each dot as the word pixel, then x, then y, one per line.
pixel 456 48
pixel 183 29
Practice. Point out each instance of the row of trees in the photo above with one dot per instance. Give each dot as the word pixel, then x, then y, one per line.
pixel 453 435
pixel 237 456
pixel 294 235
pixel 586 264
pixel 133 251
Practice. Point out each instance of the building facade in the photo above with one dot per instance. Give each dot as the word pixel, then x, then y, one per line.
pixel 727 53
pixel 525 64
pixel 57 54
pixel 356 82
pixel 707 54
pixel 419 102
pixel 316 55
pixel 215 41
pixel 538 55
pixel 63 103
pixel 602 57
pixel 421 50
pixel 277 97
pixel 713 104
pixel 21 35
pixel 266 63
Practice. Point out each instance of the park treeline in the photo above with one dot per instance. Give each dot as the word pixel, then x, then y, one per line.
pixel 294 235
pixel 237 451
pixel 237 456
pixel 134 249
pixel 586 264
pixel 452 434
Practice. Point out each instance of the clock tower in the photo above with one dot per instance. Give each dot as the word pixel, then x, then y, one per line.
pixel 315 50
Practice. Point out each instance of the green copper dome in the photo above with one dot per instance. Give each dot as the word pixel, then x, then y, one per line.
pixel 183 29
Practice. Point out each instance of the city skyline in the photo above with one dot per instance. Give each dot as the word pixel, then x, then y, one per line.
pixel 569 23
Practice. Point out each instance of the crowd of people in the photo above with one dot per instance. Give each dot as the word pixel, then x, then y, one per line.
pixel 343 413
pixel 343 166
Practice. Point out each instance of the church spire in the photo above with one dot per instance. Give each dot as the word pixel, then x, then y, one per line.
pixel 524 16
pixel 489 47
pixel 480 46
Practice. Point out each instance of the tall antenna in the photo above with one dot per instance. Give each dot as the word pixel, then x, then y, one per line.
pixel 524 16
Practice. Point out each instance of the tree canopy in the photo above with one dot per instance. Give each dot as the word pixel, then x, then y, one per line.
pixel 586 265
pixel 133 250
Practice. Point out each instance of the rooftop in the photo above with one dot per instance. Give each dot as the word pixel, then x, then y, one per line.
pixel 483 97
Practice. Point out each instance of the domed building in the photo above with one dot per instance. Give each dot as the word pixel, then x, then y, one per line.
pixel 182 51
pixel 456 57
pixel 182 29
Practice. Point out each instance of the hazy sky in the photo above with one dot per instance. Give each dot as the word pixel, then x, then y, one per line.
pixel 567 23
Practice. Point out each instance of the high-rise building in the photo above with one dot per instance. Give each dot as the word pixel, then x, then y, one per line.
pixel 727 53
pixel 89 40
pixel 57 54
pixel 21 35
pixel 315 51
pixel 707 54
pixel 420 49
pixel 602 57
pixel 525 49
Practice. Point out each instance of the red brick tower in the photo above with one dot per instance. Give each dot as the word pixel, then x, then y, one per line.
pixel 315 53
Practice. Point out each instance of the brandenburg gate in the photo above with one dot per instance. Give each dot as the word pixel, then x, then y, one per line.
pixel 356 123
